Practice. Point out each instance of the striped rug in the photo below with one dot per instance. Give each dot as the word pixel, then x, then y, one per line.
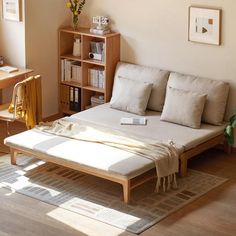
pixel 100 199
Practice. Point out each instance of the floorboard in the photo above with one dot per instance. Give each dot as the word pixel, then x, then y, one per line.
pixel 212 214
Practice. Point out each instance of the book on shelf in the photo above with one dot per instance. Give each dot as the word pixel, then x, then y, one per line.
pixel 62 70
pixel 77 99
pixel 75 103
pixel 8 69
pixel 76 72
pixel 97 77
pixel 71 98
pixel 68 69
pixel 100 31
pixel 65 97
pixel 71 71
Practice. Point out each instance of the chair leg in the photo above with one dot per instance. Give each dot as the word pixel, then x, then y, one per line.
pixel 8 129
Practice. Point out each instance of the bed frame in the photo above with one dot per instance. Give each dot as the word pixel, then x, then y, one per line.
pixel 128 184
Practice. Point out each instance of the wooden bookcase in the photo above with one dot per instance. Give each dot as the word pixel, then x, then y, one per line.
pixel 111 57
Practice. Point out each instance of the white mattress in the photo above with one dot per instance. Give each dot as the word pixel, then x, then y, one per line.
pixel 161 131
pixel 105 158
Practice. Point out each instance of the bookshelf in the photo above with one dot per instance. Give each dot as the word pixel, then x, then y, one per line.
pixel 84 87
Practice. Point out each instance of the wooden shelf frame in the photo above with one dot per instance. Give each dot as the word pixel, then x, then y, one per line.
pixel 66 37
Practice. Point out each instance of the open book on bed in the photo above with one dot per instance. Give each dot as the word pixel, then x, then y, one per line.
pixel 133 121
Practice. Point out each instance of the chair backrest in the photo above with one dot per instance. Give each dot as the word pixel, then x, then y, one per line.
pixel 19 98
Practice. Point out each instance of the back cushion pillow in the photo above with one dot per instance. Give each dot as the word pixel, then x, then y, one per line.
pixel 150 75
pixel 216 91
pixel 131 96
pixel 183 107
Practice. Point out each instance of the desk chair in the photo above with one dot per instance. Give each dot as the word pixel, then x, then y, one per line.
pixel 23 97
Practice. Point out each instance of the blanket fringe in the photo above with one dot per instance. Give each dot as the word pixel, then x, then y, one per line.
pixel 166 183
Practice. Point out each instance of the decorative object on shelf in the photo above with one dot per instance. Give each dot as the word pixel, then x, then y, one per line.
pixel 75 7
pixel 77 48
pixel 11 10
pixel 204 25
pixel 101 27
pixel 97 51
pixel 229 130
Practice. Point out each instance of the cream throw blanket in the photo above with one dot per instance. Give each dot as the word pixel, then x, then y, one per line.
pixel 165 156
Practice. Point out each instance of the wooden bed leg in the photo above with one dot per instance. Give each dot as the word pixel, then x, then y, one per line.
pixel 183 167
pixel 126 191
pixel 13 156
pixel 227 148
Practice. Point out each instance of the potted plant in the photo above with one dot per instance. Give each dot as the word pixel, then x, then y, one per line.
pixel 75 7
pixel 229 130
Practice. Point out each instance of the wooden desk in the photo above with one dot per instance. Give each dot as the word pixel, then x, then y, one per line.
pixel 9 79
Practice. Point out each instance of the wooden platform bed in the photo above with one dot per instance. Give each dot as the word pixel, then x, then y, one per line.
pixel 131 170
pixel 127 184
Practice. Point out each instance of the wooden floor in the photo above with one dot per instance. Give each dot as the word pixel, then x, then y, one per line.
pixel 212 214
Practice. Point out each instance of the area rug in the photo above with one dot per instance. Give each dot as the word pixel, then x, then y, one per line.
pixel 100 199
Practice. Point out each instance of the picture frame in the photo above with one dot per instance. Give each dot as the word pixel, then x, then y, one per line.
pixel 11 10
pixel 204 25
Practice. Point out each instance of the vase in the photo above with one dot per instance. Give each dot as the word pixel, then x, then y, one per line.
pixel 75 21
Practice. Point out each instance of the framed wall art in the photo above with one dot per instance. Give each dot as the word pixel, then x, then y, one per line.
pixel 11 10
pixel 204 25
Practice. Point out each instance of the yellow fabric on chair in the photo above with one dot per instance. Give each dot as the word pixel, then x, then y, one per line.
pixel 30 106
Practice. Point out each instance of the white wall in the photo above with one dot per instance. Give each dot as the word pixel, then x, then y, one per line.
pixel 155 32
pixel 12 45
pixel 43 18
pixel 12 40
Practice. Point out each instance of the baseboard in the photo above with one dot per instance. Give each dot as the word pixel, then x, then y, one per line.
pixel 53 117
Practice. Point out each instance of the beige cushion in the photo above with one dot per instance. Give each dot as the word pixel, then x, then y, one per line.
pixel 217 94
pixel 183 107
pixel 151 75
pixel 131 96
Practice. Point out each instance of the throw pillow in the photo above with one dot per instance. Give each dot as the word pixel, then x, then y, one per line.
pixel 131 96
pixel 183 107
pixel 216 91
pixel 151 75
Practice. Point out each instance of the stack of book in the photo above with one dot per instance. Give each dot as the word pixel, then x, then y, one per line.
pixel 100 31
pixel 71 71
pixel 97 77
pixel 70 98
pixel 97 100
pixel 75 102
